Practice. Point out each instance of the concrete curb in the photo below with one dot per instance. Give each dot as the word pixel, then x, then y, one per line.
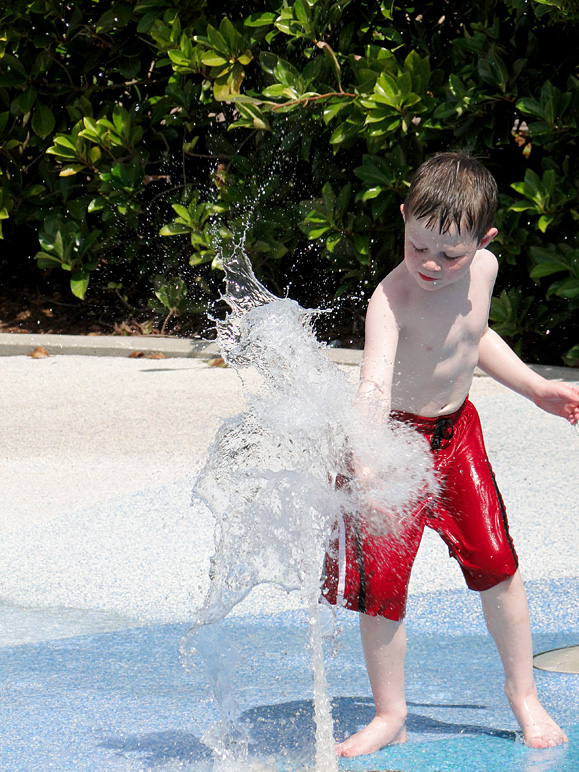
pixel 14 344
pixel 19 344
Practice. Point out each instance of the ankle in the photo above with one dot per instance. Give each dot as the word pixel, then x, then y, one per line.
pixel 517 695
pixel 392 714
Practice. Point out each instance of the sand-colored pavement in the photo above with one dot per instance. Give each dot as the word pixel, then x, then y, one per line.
pixel 78 430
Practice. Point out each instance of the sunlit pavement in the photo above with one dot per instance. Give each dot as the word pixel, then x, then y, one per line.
pixel 96 467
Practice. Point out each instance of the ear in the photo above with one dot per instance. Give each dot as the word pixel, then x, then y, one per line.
pixel 402 212
pixel 487 238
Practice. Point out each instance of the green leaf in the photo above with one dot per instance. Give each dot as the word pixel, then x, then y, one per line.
pixel 316 224
pixel 44 260
pixel 252 117
pixel 343 200
pixel 332 109
pixel 91 128
pixel 530 107
pixel 71 170
pixel 387 88
pixel 213 59
pixel 228 85
pixel 217 40
pixel 43 120
pixel 287 74
pixel 456 86
pixel 174 229
pixel 64 141
pixel 121 120
pixel 24 102
pixel 171 292
pixel 571 357
pixel 200 258
pixel 245 58
pixel 329 197
pixel 33 191
pixel 419 69
pixel 301 11
pixel 260 19
pixel 278 89
pixel 544 221
pixel 493 70
pixel 94 155
pixel 230 34
pixel 58 244
pixel 566 288
pixel 181 61
pixel 182 211
pixel 79 282
pixel 344 133
pixel 97 204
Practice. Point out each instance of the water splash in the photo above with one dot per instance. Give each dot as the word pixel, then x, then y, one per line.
pixel 270 478
pixel 220 657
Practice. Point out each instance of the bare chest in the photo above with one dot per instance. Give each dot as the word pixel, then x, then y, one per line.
pixel 436 356
pixel 439 330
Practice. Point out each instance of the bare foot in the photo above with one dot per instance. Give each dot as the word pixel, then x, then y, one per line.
pixel 539 729
pixel 381 731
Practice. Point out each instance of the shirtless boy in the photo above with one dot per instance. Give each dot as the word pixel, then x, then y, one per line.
pixel 426 331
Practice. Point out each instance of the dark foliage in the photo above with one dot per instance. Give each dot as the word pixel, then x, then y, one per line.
pixel 140 142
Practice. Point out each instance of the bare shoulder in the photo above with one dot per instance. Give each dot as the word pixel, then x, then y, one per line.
pixel 386 307
pixel 391 293
pixel 383 325
pixel 485 266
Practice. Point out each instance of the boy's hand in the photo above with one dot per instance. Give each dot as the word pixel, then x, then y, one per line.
pixel 561 399
pixel 380 518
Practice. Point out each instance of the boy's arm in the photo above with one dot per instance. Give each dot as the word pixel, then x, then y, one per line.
pixel 499 361
pixel 375 390
pixel 381 341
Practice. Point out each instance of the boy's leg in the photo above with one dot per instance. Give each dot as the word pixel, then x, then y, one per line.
pixel 384 643
pixel 507 617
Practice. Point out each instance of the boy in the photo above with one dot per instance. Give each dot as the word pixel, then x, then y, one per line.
pixel 426 331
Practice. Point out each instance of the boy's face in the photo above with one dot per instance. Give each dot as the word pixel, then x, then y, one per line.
pixel 436 260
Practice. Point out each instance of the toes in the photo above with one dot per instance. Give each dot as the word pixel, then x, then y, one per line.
pixel 539 742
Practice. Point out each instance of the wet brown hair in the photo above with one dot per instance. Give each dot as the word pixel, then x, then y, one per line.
pixel 453 189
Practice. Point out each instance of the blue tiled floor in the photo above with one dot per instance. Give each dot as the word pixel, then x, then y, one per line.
pixel 122 700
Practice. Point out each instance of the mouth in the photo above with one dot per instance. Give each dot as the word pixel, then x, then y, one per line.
pixel 427 278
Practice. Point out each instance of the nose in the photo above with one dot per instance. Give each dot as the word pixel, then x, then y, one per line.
pixel 431 265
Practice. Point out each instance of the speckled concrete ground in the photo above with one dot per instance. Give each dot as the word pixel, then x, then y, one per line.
pixel 96 466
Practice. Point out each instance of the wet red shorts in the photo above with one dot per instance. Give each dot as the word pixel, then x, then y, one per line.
pixel 370 573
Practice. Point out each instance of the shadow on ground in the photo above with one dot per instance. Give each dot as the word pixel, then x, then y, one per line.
pixel 158 748
pixel 287 729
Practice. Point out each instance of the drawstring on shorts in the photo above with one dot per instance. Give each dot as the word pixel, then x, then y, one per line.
pixel 443 432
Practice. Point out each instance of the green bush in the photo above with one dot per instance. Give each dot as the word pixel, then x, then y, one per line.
pixel 140 142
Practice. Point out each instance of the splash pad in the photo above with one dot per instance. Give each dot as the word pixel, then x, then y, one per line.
pixel 101 691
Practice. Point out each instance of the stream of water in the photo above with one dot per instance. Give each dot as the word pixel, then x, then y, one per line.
pixel 269 481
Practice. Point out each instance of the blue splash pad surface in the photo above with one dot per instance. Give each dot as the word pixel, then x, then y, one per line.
pixel 122 700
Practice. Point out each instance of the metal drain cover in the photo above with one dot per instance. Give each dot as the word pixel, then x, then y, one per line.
pixel 564 660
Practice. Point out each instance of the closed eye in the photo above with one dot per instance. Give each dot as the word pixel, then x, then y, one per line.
pixel 451 257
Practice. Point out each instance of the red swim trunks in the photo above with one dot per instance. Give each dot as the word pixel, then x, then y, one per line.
pixel 370 573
